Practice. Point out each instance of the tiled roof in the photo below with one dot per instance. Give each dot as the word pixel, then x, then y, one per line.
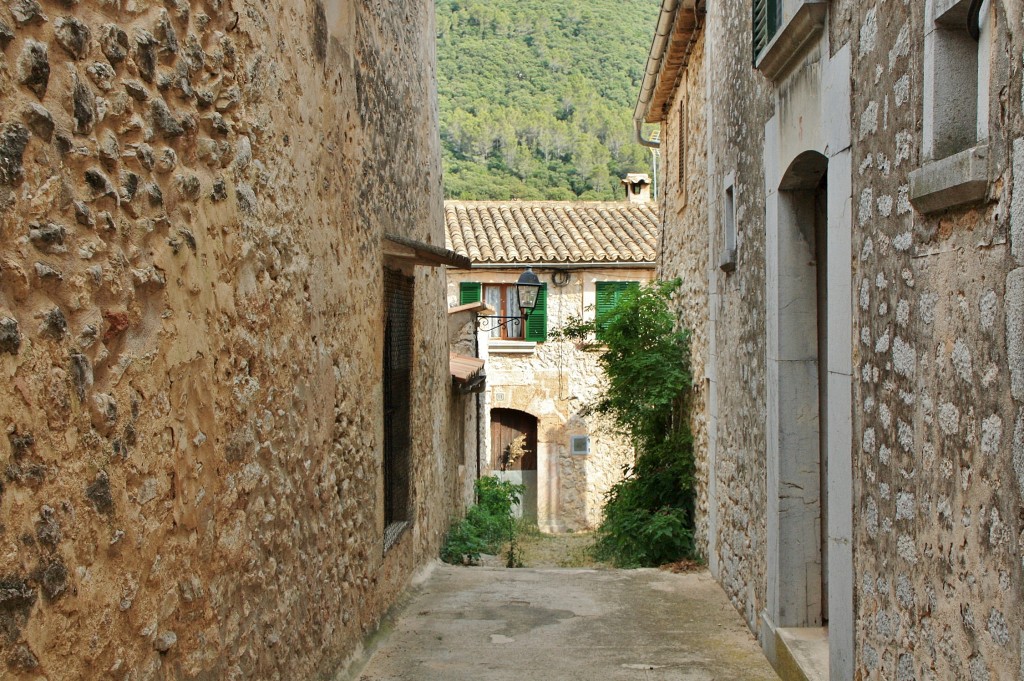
pixel 551 231
pixel 465 369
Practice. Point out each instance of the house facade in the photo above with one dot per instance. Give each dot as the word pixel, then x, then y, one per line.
pixel 845 217
pixel 221 285
pixel 533 413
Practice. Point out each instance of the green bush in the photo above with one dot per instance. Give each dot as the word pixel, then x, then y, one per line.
pixel 487 525
pixel 649 514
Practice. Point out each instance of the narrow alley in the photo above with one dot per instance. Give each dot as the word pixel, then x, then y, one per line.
pixel 566 624
pixel 299 297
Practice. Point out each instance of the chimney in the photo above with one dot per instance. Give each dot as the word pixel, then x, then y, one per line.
pixel 638 188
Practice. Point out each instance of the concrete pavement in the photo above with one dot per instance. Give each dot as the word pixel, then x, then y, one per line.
pixel 566 625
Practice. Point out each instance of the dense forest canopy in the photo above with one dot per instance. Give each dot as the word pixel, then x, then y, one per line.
pixel 537 96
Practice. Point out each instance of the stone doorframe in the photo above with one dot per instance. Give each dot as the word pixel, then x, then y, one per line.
pixel 810 132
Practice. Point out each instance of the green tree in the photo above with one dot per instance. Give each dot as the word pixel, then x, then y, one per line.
pixel 530 89
pixel 649 515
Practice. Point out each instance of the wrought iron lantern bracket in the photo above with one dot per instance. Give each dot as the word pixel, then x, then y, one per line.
pixel 492 322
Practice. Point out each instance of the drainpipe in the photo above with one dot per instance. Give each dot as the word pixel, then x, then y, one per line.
pixel 666 20
pixel 476 351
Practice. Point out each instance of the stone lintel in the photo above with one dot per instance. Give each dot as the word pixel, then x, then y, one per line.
pixel 790 42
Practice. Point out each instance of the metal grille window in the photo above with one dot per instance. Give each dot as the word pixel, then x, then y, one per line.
pixel 398 344
pixel 682 145
pixel 766 22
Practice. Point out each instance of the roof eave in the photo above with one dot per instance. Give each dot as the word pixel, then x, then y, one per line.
pixel 679 22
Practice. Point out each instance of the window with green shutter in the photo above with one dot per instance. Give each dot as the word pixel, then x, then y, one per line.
pixel 537 321
pixel 608 295
pixel 469 292
pixel 767 17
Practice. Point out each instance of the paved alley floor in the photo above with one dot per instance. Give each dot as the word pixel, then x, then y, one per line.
pixel 492 624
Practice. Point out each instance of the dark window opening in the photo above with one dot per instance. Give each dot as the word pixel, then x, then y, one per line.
pixel 728 259
pixel 682 145
pixel 398 333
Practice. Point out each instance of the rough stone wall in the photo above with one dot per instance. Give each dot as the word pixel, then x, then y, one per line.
pixel 683 252
pixel 554 383
pixel 938 468
pixel 938 502
pixel 192 200
pixel 735 145
pixel 465 429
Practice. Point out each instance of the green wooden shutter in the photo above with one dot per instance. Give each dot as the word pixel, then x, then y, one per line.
pixel 765 23
pixel 469 292
pixel 608 295
pixel 537 322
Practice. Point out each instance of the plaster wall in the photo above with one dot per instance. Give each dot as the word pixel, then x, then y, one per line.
pixel 554 381
pixel 192 202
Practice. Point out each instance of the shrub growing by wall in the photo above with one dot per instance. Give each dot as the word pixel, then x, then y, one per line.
pixel 487 525
pixel 649 515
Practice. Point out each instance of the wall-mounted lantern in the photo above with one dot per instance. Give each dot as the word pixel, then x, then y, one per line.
pixel 527 287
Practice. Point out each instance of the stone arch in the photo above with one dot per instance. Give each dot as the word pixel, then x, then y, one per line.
pixel 514 450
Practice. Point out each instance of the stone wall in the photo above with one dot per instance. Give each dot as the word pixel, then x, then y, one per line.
pixel 937 312
pixel 466 425
pixel 554 381
pixel 192 200
pixel 938 535
pixel 737 307
pixel 683 254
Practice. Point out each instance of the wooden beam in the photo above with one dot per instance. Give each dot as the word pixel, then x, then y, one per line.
pixel 421 253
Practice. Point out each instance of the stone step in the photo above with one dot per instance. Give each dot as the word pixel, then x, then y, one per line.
pixel 802 654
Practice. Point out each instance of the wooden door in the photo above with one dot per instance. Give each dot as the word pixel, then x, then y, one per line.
pixel 513 440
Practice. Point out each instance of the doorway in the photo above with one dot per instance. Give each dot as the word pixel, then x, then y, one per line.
pixel 801 427
pixel 821 275
pixel 514 454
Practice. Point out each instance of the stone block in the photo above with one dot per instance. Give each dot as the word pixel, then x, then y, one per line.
pixel 33 68
pixel 955 181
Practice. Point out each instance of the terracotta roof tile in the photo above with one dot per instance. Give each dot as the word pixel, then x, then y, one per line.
pixel 551 231
pixel 463 368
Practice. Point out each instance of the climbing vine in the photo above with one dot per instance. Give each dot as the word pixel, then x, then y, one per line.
pixel 649 514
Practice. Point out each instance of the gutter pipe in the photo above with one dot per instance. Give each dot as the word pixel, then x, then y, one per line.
pixel 666 21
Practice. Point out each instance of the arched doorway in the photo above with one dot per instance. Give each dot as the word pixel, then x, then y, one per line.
pixel 514 454
pixel 799 420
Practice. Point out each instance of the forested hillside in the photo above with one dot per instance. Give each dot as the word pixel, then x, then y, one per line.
pixel 537 96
